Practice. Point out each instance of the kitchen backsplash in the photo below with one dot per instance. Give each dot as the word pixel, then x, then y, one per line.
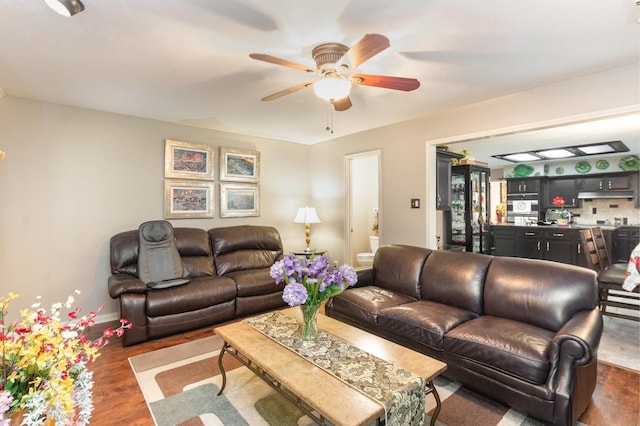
pixel 606 209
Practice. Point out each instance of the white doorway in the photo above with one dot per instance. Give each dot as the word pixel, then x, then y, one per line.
pixel 363 206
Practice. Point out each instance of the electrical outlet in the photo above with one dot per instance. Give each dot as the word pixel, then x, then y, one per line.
pixel 415 203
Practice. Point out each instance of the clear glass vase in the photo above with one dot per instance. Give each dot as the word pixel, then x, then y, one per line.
pixel 310 323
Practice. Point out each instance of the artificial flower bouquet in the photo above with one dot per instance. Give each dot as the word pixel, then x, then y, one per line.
pixel 310 281
pixel 559 202
pixel 44 363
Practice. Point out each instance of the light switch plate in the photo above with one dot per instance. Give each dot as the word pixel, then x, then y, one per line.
pixel 415 203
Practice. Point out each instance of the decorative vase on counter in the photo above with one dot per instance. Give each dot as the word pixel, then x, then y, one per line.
pixel 563 221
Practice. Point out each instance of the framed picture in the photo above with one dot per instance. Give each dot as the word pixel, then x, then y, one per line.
pixel 187 199
pixel 240 165
pixel 239 200
pixel 186 160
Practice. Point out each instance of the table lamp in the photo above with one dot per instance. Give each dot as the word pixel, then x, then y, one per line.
pixel 307 215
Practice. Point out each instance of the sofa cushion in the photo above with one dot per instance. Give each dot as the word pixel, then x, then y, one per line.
pixel 199 293
pixel 238 248
pixel 195 248
pixel 255 282
pixel 424 321
pixel 398 268
pixel 455 278
pixel 515 348
pixel 520 289
pixel 363 304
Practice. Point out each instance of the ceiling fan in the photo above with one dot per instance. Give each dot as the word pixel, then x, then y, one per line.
pixel 336 63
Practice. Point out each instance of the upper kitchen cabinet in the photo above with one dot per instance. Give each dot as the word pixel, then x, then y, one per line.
pixel 605 183
pixel 523 186
pixel 618 185
pixel 566 188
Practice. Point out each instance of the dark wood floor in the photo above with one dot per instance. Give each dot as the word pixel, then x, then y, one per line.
pixel 118 400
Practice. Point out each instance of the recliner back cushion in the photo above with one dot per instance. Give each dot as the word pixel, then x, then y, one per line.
pixel 123 251
pixel 239 248
pixel 455 278
pixel 522 289
pixel 195 248
pixel 193 245
pixel 397 267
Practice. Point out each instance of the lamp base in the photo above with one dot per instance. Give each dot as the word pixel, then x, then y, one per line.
pixel 308 250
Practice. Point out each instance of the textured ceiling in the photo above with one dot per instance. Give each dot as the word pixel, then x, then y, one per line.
pixel 188 61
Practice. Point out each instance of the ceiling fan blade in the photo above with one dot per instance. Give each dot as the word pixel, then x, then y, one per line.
pixel 342 104
pixel 387 82
pixel 367 47
pixel 286 91
pixel 279 61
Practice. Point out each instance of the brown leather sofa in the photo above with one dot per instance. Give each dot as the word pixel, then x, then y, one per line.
pixel 520 331
pixel 228 271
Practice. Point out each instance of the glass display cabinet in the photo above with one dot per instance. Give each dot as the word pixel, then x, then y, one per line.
pixel 469 226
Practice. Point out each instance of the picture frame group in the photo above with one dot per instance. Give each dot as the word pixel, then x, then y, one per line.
pixel 189 189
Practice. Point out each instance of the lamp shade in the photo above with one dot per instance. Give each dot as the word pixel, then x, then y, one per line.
pixel 65 7
pixel 306 215
pixel 332 88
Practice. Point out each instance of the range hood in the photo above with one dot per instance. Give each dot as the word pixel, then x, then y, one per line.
pixel 605 194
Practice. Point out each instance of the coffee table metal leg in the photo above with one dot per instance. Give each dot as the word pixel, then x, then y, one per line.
pixel 431 389
pixel 221 367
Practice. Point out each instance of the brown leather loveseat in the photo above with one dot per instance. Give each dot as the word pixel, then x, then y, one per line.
pixel 228 272
pixel 520 331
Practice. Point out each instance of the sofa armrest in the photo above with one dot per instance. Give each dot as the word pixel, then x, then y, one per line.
pixel 579 338
pixel 119 284
pixel 574 359
pixel 365 277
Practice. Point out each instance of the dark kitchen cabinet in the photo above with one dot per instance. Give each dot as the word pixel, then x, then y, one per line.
pixel 562 246
pixel 529 243
pixel 504 240
pixel 605 183
pixel 624 241
pixel 549 243
pixel 523 186
pixel 443 178
pixel 468 224
pixel 565 188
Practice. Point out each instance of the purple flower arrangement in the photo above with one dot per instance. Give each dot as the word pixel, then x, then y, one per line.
pixel 311 281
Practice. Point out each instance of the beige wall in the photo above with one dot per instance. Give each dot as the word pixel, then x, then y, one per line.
pixel 72 178
pixel 407 165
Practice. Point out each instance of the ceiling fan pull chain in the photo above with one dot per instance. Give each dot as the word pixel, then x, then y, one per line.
pixel 329 127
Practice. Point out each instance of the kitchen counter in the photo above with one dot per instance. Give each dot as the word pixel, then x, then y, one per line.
pixel 570 226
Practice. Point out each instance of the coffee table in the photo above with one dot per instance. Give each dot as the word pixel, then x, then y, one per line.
pixel 319 394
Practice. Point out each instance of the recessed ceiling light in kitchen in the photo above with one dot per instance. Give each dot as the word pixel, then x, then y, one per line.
pixel 565 152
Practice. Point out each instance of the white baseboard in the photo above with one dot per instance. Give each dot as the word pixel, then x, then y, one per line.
pixel 101 319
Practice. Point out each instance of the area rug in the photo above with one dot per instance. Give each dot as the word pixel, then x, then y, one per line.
pixel 180 385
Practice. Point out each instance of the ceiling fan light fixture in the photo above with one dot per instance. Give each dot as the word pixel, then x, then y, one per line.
pixel 331 89
pixel 65 7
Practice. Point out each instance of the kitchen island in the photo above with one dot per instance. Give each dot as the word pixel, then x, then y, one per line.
pixel 559 243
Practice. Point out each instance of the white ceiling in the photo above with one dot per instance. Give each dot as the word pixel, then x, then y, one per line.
pixel 623 127
pixel 188 61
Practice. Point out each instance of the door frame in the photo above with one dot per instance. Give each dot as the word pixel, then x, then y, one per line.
pixel 348 161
